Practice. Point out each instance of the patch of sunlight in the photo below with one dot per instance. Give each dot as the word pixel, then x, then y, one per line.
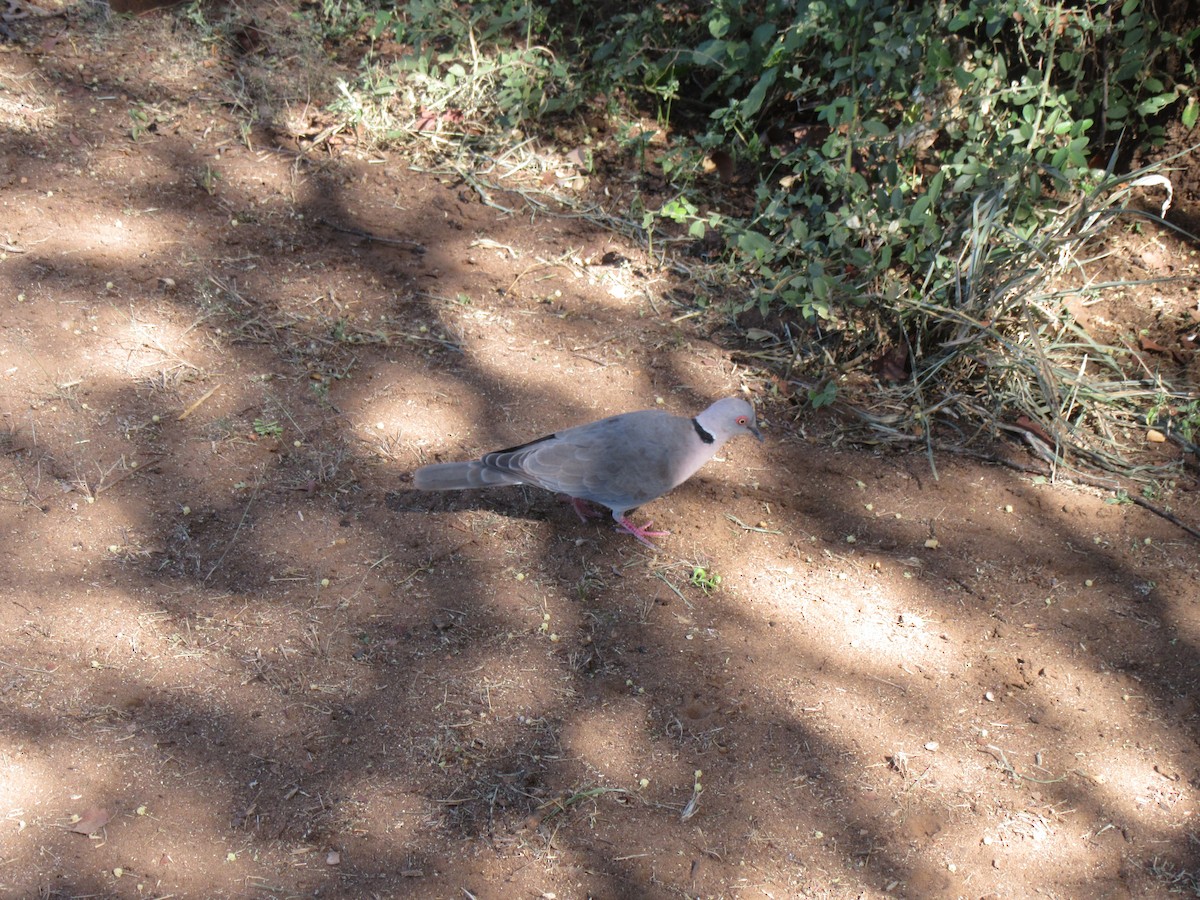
pixel 24 784
pixel 601 740
pixel 105 234
pixel 436 414
pixel 148 342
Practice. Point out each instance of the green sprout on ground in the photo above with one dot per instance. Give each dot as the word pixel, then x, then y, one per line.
pixel 705 580
pixel 267 428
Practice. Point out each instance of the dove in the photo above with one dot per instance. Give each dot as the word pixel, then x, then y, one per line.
pixel 620 462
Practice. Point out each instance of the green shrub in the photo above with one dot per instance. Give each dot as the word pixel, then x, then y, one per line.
pixel 489 60
pixel 905 114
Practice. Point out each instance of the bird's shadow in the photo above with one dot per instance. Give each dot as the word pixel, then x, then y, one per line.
pixel 513 502
pixel 523 503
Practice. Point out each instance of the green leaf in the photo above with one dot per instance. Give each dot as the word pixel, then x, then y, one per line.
pixel 1154 105
pixel 1190 113
pixel 820 287
pixel 825 396
pixel 763 34
pixel 678 210
pixel 962 182
pixel 754 100
pixel 710 53
pixel 962 20
pixel 936 184
pixel 919 213
pixel 754 245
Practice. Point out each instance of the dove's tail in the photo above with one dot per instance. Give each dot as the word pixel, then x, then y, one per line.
pixel 460 476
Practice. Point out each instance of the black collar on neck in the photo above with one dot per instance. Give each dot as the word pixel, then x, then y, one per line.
pixel 704 435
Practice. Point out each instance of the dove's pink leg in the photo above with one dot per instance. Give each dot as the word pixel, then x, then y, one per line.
pixel 642 533
pixel 586 511
pixel 583 509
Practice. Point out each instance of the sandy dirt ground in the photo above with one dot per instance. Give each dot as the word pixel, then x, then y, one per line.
pixel 241 657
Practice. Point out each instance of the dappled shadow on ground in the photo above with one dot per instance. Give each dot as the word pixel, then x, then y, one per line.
pixel 236 639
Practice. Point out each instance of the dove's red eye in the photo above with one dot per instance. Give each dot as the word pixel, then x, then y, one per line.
pixel 741 420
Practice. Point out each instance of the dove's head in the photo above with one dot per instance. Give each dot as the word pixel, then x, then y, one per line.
pixel 728 418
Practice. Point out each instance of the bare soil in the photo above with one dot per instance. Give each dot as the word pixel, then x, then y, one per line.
pixel 240 658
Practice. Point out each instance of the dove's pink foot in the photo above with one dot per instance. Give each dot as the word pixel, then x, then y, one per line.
pixel 642 533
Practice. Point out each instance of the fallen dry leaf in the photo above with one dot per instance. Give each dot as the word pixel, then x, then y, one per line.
pixel 1151 345
pixel 93 819
pixel 1033 428
pixel 892 365
pixel 721 162
pixel 579 159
